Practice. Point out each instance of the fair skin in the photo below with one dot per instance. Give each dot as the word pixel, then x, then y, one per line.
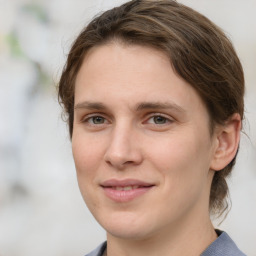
pixel 143 152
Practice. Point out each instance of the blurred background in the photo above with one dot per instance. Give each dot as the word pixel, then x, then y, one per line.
pixel 41 210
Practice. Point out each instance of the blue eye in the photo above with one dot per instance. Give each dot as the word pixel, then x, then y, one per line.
pixel 159 120
pixel 96 120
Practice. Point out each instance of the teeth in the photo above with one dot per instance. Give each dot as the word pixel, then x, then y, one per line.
pixel 126 188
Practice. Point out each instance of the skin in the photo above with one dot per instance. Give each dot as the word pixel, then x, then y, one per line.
pixel 134 118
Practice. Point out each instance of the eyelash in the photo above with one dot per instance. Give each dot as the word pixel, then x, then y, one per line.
pixel 89 119
pixel 157 115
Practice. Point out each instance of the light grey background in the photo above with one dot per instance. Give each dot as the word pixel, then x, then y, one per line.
pixel 41 210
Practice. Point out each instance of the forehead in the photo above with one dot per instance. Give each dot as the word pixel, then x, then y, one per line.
pixel 132 74
pixel 117 56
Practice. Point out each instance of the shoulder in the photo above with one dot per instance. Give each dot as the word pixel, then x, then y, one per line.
pixel 223 246
pixel 98 251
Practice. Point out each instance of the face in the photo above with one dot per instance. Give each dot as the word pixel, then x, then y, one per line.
pixel 141 142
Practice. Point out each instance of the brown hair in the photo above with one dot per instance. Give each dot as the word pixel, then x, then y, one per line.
pixel 199 51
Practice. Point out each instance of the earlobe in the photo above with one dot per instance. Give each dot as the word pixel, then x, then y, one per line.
pixel 227 142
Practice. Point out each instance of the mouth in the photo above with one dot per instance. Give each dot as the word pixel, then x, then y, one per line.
pixel 125 190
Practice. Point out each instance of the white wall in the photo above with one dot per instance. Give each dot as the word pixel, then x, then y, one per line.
pixel 41 210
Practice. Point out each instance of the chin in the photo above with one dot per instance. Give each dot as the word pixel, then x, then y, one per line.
pixel 126 227
pixel 130 233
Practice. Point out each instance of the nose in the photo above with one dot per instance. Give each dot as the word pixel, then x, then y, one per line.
pixel 123 149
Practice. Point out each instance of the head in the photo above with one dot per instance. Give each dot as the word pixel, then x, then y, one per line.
pixel 198 51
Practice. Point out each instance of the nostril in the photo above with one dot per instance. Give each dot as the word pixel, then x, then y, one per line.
pixel 120 159
pixel 128 162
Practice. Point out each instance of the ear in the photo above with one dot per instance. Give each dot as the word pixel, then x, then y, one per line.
pixel 227 139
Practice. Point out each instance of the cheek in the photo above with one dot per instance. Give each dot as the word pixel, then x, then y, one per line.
pixel 184 171
pixel 86 157
pixel 174 152
pixel 86 152
pixel 183 161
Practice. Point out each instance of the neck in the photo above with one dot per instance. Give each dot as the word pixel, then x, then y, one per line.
pixel 178 240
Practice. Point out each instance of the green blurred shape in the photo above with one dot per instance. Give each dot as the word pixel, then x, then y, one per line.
pixel 38 11
pixel 14 45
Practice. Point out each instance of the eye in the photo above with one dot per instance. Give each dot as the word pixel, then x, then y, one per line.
pixel 158 120
pixel 95 120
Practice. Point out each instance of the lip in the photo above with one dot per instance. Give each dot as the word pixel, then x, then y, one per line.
pixel 139 189
pixel 125 183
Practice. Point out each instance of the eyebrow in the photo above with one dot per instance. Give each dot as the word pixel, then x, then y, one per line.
pixel 160 105
pixel 90 105
pixel 139 107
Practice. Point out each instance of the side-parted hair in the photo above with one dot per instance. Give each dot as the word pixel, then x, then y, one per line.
pixel 199 51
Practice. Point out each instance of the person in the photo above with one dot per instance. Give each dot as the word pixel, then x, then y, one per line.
pixel 153 93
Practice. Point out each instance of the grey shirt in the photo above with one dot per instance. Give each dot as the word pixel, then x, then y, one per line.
pixel 222 246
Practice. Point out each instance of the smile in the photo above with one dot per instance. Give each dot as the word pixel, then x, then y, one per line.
pixel 125 190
